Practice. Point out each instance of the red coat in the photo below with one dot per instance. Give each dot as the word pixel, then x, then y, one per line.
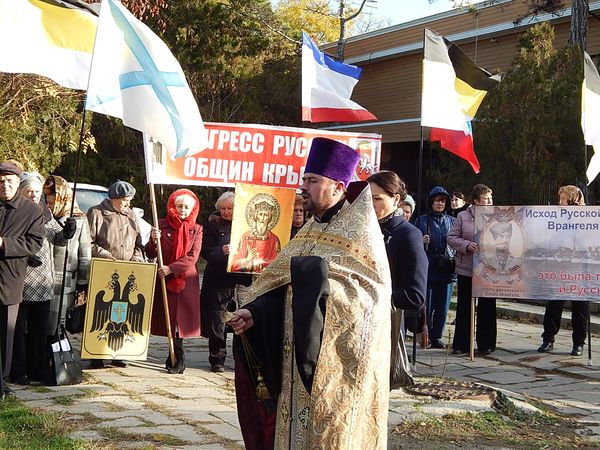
pixel 184 308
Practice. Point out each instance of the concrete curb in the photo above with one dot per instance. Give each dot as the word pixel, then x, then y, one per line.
pixel 535 312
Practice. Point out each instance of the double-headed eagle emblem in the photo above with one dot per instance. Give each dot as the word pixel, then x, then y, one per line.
pixel 118 318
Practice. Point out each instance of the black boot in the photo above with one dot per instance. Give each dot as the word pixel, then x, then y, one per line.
pixel 179 366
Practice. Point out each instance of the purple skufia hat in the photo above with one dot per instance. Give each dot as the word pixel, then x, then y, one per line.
pixel 332 159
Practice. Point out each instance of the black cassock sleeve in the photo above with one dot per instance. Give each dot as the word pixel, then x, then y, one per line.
pixel 265 337
pixel 310 288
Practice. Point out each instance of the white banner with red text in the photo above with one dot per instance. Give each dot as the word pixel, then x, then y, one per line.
pixel 537 252
pixel 253 154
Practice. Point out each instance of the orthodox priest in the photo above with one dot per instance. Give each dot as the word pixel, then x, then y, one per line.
pixel 319 324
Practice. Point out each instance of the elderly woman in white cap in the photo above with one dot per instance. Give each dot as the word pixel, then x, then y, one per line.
pixel 29 343
pixel 115 234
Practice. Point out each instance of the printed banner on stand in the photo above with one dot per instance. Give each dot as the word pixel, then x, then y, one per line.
pixel 261 226
pixel 253 154
pixel 118 311
pixel 537 252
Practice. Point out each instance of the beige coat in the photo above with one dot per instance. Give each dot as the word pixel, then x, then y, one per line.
pixel 114 235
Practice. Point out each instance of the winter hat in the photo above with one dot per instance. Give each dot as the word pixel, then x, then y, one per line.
pixel 120 189
pixel 332 159
pixel 9 168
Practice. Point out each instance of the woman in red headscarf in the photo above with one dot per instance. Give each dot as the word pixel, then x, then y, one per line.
pixel 180 239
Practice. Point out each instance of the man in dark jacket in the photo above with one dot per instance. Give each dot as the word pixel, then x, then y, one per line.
pixel 435 226
pixel 21 236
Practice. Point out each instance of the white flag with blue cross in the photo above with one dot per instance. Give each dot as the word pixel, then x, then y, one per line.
pixel 135 77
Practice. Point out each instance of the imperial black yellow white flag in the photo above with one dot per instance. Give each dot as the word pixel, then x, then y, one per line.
pixel 118 310
pixel 453 89
pixel 590 114
pixel 52 38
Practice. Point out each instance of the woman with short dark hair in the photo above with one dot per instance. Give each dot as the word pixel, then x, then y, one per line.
pixel 460 238
pixel 458 203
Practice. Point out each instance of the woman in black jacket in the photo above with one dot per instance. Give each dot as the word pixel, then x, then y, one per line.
pixel 403 242
pixel 218 285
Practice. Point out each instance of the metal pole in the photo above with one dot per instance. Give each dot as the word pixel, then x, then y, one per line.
pixel 417 214
pixel 414 345
pixel 1 381
pixel 589 334
pixel 64 273
pixel 472 330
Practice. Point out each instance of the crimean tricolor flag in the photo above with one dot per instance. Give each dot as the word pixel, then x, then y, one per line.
pixel 51 38
pixel 590 114
pixel 327 86
pixel 453 89
pixel 135 77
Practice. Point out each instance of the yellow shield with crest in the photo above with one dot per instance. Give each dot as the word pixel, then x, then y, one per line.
pixel 118 310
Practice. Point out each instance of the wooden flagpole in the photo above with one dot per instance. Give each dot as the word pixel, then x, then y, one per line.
pixel 163 283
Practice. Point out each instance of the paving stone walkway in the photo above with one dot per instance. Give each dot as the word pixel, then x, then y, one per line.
pixel 142 406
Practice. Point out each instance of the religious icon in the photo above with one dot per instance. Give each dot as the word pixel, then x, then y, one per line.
pixel 117 322
pixel 259 242
pixel 501 258
pixel 368 162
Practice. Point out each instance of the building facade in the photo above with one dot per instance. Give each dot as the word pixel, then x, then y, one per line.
pixel 391 59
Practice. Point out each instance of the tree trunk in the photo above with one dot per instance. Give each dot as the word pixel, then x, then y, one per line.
pixel 579 15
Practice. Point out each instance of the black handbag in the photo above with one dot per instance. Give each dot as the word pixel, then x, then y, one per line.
pixel 400 374
pixel 75 318
pixel 64 365
pixel 444 263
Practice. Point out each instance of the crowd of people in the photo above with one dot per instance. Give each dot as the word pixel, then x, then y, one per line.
pixel 315 330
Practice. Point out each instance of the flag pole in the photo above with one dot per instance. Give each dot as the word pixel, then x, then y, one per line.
pixel 75 180
pixel 163 283
pixel 420 164
pixel 418 211
pixel 418 204
pixel 585 193
pixel 64 271
pixel 472 329
pixel 589 334
pixel 585 151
